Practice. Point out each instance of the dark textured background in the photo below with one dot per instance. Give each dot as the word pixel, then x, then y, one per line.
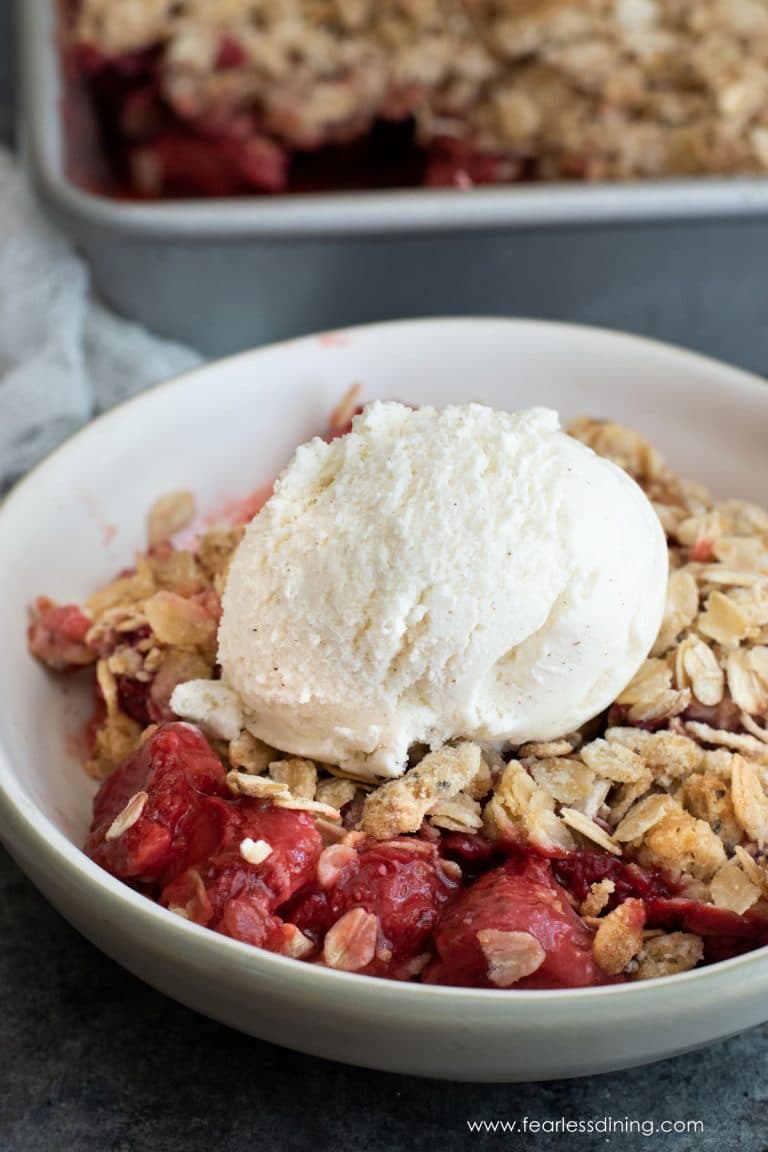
pixel 93 1061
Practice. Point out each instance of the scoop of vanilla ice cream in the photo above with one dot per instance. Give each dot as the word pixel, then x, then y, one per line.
pixel 438 574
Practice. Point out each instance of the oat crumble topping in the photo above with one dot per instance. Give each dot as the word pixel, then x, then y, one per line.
pixel 674 779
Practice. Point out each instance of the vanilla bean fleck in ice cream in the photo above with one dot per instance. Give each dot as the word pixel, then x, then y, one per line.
pixel 432 575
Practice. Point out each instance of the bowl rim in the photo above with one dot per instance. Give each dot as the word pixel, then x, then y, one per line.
pixel 52 845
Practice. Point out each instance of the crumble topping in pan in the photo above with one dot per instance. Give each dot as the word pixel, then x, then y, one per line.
pixel 497 89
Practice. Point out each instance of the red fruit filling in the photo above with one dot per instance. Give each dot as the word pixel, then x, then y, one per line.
pixel 455 164
pixel 180 822
pixel 578 871
pixel 185 842
pixel 401 882
pixel 473 853
pixel 231 53
pixel 238 898
pixel 707 920
pixel 56 635
pixel 165 822
pixel 702 551
pixel 180 158
pixel 133 697
pixel 521 896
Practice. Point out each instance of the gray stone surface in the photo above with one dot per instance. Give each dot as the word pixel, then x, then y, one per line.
pixel 91 1060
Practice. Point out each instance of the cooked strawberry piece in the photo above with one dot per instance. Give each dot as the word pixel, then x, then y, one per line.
pixel 725 715
pixel 229 898
pixel 181 821
pixel 401 883
pixel 231 53
pixel 178 160
pixel 231 895
pixel 474 853
pixel 187 896
pixel 247 917
pixel 129 64
pixel 56 635
pixel 724 934
pixel 89 58
pixel 170 749
pixel 352 813
pixel 291 835
pixel 106 640
pixel 577 871
pixel 165 817
pixel 702 551
pixel 455 164
pixel 520 897
pixel 405 889
pixel 707 920
pixel 133 697
pixel 311 912
pixel 140 113
pixel 718 948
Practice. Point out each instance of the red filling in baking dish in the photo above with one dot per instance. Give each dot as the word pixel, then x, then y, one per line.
pixel 152 151
pixel 203 99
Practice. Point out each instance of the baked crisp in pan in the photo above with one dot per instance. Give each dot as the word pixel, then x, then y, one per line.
pixel 279 95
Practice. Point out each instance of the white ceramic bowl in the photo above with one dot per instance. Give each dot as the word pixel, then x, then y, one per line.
pixel 222 431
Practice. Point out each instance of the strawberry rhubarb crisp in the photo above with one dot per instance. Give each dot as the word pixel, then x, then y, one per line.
pixel 203 98
pixel 627 847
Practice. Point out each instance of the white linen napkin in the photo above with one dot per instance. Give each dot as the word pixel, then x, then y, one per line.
pixel 63 356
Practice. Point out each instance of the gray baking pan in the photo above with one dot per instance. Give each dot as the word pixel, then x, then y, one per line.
pixel 680 260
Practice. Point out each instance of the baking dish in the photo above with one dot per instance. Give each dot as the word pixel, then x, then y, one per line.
pixel 225 429
pixel 678 259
